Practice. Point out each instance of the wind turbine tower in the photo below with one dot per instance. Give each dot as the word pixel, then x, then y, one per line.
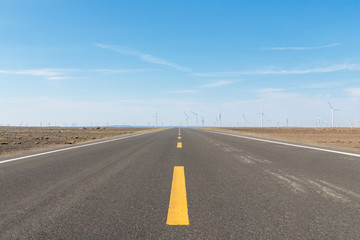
pixel 187 119
pixel 156 117
pixel 262 118
pixel 220 119
pixel 202 120
pixel 244 120
pixel 332 114
pixel 196 117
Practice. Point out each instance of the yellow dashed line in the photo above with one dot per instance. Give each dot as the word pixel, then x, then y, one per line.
pixel 178 210
pixel 179 145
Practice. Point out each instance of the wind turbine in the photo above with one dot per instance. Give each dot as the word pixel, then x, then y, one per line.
pixel 262 118
pixel 156 117
pixel 332 114
pixel 196 117
pixel 187 119
pixel 202 120
pixel 244 120
pixel 220 119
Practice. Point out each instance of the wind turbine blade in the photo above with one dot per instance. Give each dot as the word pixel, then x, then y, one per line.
pixel 330 105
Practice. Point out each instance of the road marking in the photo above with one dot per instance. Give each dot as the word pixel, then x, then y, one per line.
pixel 179 137
pixel 178 210
pixel 286 144
pixel 179 145
pixel 80 146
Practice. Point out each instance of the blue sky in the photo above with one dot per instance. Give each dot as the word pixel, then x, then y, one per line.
pixel 119 62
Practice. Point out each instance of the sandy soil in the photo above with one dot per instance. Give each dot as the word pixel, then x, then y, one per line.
pixel 18 140
pixel 345 138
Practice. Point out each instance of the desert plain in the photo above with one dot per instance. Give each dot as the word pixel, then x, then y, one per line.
pixel 19 140
pixel 342 138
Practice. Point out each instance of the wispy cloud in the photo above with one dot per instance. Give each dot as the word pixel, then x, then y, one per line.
pixel 300 48
pixel 354 92
pixel 48 73
pixel 217 84
pixel 143 56
pixel 185 91
pixel 269 90
pixel 114 71
pixel 58 78
pixel 332 68
pixel 66 73
pixel 323 85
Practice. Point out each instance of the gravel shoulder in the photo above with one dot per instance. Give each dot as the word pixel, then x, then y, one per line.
pixel 342 138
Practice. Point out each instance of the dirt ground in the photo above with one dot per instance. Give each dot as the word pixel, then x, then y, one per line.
pixel 345 138
pixel 18 140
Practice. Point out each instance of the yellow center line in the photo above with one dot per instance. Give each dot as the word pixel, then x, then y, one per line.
pixel 179 137
pixel 178 210
pixel 179 145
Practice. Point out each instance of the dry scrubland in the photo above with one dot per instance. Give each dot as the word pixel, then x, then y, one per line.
pixel 345 138
pixel 17 140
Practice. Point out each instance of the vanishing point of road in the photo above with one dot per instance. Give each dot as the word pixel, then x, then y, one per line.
pixel 181 184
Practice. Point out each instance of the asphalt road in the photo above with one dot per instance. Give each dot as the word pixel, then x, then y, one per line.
pixel 236 188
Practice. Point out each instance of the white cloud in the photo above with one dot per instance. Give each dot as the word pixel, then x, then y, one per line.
pixel 40 72
pixel 58 78
pixel 217 84
pixel 48 73
pixel 332 68
pixel 354 92
pixel 269 90
pixel 143 56
pixel 65 73
pixel 301 48
pixel 185 91
pixel 114 71
pixel 322 85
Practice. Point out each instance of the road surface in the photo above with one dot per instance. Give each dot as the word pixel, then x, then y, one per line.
pixel 211 186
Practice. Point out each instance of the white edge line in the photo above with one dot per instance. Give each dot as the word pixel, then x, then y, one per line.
pixel 74 147
pixel 286 144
